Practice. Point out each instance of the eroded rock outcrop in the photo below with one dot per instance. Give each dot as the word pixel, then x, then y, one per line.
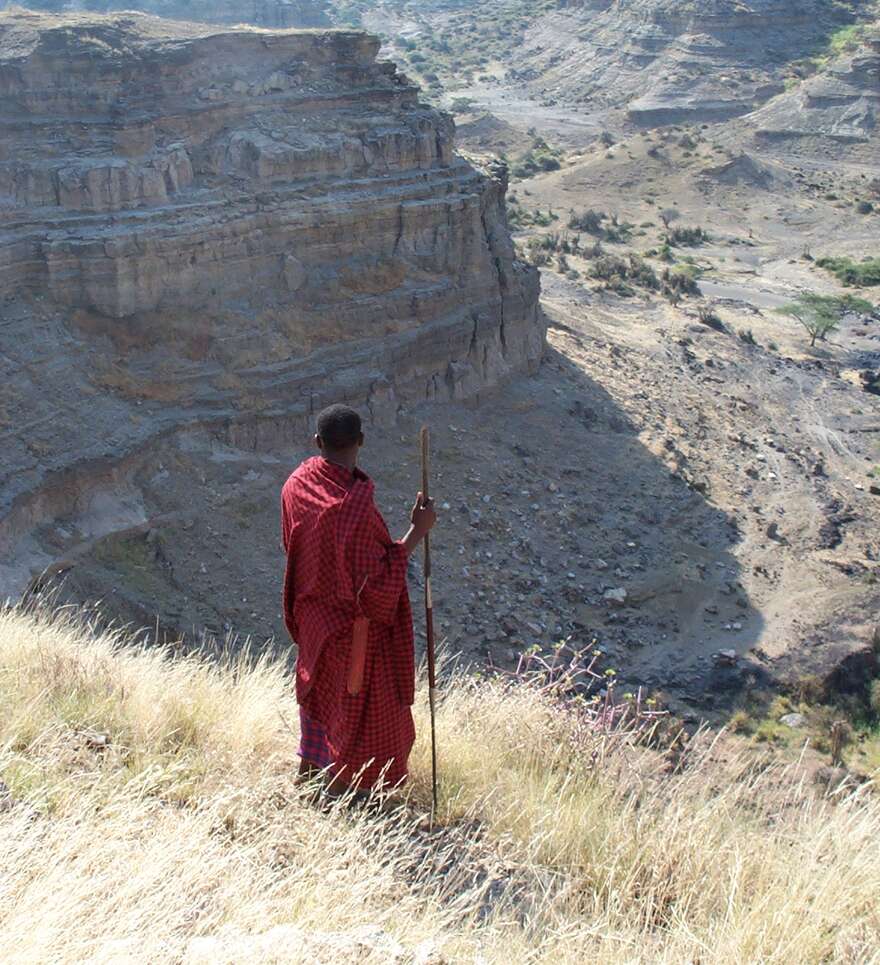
pixel 672 61
pixel 842 103
pixel 277 14
pixel 228 227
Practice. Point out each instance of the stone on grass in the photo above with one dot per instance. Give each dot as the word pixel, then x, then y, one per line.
pixel 793 720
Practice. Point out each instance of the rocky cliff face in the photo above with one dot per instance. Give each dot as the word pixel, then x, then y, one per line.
pixel 282 14
pixel 228 228
pixel 671 61
pixel 842 103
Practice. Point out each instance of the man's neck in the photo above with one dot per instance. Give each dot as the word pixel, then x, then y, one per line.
pixel 348 460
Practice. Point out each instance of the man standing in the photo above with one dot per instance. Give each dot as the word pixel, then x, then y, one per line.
pixel 347 608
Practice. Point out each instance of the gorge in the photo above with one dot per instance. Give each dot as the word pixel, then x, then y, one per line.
pixel 224 229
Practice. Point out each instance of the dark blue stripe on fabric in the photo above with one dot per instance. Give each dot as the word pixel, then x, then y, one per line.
pixel 313 746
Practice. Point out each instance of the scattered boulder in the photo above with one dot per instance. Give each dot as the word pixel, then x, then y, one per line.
pixel 794 720
pixel 616 597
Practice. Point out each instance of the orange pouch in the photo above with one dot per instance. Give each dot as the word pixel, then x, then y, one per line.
pixel 358 655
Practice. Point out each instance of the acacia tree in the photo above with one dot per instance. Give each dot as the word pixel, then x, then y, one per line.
pixel 821 315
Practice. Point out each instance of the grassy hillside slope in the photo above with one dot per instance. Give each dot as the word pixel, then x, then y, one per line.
pixel 148 814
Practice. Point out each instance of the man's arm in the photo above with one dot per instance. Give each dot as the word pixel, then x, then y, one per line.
pixel 422 520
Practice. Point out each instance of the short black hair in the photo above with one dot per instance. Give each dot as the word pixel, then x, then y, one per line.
pixel 339 427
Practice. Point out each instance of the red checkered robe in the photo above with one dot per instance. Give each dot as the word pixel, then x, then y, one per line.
pixel 342 564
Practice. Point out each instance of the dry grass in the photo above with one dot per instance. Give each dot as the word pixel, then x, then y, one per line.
pixel 153 806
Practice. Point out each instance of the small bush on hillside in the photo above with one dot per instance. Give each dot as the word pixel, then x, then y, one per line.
pixel 864 207
pixel 621 274
pixel 538 257
pixel 618 232
pixel 710 317
pixel 521 218
pixel 668 215
pixel 540 157
pixel 642 274
pixel 679 282
pixel 607 267
pixel 687 237
pixel 860 274
pixel 607 227
pixel 590 221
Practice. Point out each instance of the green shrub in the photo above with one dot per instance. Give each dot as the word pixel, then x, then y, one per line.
pixel 618 232
pixel 621 274
pixel 687 237
pixel 540 157
pixel 741 723
pixel 677 282
pixel 590 221
pixel 821 315
pixel 594 223
pixel 862 274
pixel 710 317
pixel 606 267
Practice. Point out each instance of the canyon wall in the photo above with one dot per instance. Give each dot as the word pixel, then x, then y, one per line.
pixel 230 228
pixel 279 14
pixel 673 61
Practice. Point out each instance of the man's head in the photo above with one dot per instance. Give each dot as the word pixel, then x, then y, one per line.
pixel 338 431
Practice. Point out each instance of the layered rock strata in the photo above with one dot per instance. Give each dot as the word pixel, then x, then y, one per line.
pixel 673 61
pixel 842 103
pixel 277 14
pixel 227 228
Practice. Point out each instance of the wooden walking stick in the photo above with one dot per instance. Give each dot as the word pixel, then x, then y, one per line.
pixel 429 627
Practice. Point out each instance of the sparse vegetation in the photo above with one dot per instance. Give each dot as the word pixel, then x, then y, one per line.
pixel 158 796
pixel 603 226
pixel 854 274
pixel 821 315
pixel 708 316
pixel 520 217
pixel 687 237
pixel 540 157
pixel 668 215
pixel 590 221
pixel 620 275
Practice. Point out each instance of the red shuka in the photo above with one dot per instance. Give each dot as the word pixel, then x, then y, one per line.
pixel 343 566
